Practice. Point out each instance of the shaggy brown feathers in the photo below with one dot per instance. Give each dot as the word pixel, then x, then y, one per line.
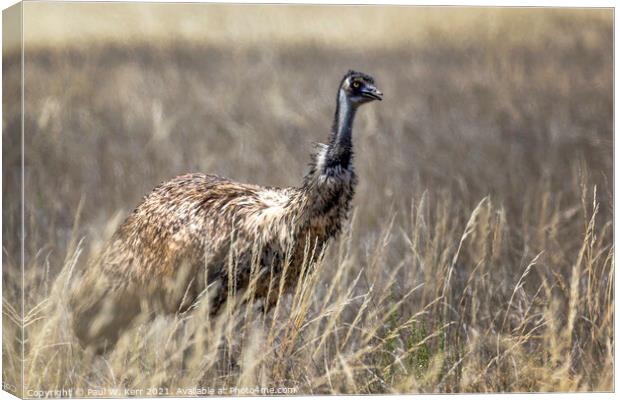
pixel 178 240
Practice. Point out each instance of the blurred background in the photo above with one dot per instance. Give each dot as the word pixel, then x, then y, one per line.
pixel 514 104
pixel 478 101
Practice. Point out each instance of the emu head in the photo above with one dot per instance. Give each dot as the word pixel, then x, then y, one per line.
pixel 359 88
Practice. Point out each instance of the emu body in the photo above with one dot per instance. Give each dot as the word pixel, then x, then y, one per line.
pixel 179 239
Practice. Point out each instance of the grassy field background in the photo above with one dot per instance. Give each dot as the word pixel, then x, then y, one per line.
pixel 480 253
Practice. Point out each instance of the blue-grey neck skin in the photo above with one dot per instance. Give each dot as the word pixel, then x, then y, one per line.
pixel 340 149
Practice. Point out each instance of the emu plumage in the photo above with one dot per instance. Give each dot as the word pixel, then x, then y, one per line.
pixel 184 230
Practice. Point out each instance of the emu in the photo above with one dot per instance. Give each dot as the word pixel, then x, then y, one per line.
pixel 183 232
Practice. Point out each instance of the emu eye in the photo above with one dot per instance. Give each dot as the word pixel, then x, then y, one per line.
pixel 356 84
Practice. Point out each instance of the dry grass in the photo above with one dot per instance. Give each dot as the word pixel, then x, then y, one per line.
pixel 479 257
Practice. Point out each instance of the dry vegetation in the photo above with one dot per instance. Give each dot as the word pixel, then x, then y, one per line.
pixel 480 255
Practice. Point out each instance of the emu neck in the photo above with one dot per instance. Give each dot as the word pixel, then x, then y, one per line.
pixel 340 145
pixel 329 186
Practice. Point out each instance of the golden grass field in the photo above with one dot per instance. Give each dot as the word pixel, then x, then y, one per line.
pixel 479 257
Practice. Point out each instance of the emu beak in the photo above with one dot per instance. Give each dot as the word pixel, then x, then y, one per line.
pixel 372 93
